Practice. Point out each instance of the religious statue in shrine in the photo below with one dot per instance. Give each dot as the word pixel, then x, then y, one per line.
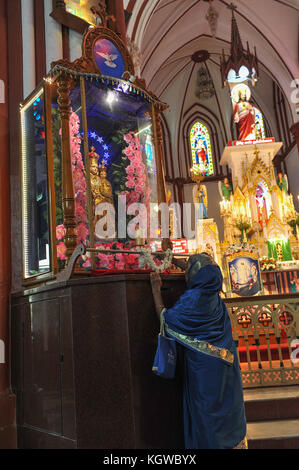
pixel 105 188
pixel 261 206
pixel 282 182
pixel 200 196
pixel 225 189
pixel 279 251
pixel 100 187
pixel 244 114
pixel 102 193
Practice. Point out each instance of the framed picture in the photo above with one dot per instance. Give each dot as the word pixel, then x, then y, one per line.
pixel 108 58
pixel 75 14
pixel 244 274
pixel 82 9
pixel 107 52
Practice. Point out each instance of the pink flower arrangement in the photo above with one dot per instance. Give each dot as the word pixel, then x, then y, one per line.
pixel 60 232
pixel 79 188
pixel 138 189
pixel 121 261
pixel 61 250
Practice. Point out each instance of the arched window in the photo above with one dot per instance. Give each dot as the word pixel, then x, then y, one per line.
pixel 201 150
pixel 259 124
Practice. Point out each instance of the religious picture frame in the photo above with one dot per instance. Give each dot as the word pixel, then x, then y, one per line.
pixel 108 53
pixel 244 274
pixel 74 14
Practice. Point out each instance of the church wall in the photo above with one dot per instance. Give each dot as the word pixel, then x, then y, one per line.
pixel 292 163
pixel 214 199
pixel 28 47
pixel 75 45
pixel 53 36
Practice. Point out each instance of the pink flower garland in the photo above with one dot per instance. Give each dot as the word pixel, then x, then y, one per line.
pixel 79 188
pixel 137 184
pixel 138 191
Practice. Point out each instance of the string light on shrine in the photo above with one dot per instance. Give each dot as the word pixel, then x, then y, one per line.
pixel 48 80
pixel 240 65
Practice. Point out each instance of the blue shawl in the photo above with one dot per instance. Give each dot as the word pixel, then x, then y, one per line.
pixel 200 312
pixel 214 413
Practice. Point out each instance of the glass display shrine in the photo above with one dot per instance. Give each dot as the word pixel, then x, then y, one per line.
pixel 87 138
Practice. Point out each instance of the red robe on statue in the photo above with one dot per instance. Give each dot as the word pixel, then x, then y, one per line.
pixel 244 116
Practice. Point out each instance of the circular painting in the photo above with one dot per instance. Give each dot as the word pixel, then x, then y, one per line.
pixel 108 58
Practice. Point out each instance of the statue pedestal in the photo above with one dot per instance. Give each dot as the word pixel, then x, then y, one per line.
pixel 242 155
pixel 207 238
pixel 82 366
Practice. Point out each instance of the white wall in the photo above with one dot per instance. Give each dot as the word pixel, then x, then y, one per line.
pixel 75 45
pixel 53 36
pixel 28 47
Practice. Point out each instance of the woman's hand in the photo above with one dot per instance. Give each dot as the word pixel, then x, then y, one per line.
pixel 156 289
pixel 156 282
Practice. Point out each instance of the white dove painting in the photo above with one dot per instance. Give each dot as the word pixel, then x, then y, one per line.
pixel 108 58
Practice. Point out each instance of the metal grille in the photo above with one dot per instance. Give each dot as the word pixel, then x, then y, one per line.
pixel 265 330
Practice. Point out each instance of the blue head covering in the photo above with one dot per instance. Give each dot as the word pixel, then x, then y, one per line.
pixel 200 312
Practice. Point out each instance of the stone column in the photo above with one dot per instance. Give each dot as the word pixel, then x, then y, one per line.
pixel 8 438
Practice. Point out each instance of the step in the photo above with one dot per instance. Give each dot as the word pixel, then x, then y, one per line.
pixel 264 404
pixel 278 434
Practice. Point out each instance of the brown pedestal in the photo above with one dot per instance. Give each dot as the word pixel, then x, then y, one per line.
pixel 82 354
pixel 7 421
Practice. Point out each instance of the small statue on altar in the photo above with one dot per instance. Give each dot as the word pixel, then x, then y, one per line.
pixel 279 251
pixel 261 206
pixel 244 114
pixel 225 189
pixel 200 196
pixel 282 182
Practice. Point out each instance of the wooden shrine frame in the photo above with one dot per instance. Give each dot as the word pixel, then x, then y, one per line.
pixel 45 89
pixel 63 77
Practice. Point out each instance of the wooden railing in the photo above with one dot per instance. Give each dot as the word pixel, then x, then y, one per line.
pixel 265 330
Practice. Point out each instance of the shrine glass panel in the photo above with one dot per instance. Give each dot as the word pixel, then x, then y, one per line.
pixel 121 149
pixel 35 194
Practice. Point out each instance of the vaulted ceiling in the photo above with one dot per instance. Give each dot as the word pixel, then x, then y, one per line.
pixel 168 32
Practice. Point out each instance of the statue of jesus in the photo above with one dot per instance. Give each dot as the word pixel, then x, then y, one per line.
pixel 244 114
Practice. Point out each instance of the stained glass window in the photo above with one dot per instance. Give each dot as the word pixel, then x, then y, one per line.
pixel 81 8
pixel 202 158
pixel 259 125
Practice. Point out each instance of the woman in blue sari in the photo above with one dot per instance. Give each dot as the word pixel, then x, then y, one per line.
pixel 214 414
